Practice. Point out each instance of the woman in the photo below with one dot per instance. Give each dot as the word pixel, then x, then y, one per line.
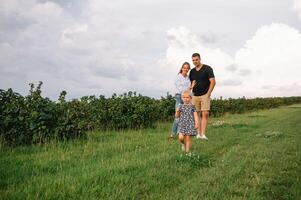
pixel 182 83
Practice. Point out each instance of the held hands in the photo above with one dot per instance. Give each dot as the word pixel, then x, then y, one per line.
pixel 192 84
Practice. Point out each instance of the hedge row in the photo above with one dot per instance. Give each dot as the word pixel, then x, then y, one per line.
pixel 241 105
pixel 35 119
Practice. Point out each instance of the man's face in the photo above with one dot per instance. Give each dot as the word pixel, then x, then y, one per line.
pixel 196 61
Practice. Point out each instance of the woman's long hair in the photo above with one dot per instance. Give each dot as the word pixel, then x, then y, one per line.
pixel 185 63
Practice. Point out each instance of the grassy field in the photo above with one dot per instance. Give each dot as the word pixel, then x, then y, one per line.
pixel 250 156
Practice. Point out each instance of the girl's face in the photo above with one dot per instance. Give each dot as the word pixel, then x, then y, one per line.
pixel 186 98
pixel 185 69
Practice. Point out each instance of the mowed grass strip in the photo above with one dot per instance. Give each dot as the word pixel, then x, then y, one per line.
pixel 249 156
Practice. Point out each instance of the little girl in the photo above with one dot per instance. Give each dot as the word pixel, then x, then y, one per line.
pixel 188 122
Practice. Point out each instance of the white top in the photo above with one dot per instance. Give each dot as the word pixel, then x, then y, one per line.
pixel 182 83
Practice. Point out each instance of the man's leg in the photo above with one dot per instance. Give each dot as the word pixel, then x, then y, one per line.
pixel 205 118
pixel 196 101
pixel 205 107
pixel 199 131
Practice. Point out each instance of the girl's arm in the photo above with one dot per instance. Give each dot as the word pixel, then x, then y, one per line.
pixel 196 120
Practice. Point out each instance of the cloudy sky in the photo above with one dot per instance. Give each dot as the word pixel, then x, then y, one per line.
pixel 97 47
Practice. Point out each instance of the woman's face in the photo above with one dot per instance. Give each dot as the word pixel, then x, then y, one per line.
pixel 185 69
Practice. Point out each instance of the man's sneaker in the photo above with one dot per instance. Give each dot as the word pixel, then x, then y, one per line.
pixel 203 137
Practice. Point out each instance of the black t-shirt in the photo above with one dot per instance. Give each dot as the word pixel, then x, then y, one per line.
pixel 202 79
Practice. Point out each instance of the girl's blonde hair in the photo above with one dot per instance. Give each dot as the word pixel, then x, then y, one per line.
pixel 186 92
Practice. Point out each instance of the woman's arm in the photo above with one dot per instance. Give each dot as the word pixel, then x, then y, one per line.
pixel 178 83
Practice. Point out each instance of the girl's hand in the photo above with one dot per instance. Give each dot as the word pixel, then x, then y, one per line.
pixel 196 126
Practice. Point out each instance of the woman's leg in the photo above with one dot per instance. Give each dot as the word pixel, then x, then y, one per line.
pixel 174 130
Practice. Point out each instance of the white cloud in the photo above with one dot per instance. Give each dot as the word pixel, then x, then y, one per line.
pixel 273 56
pixel 297 7
pixel 104 47
pixel 50 45
pixel 270 57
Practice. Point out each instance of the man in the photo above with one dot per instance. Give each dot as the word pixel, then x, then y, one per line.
pixel 202 83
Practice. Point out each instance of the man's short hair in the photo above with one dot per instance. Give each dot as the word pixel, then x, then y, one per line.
pixel 196 55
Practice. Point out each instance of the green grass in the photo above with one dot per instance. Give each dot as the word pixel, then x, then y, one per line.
pixel 250 156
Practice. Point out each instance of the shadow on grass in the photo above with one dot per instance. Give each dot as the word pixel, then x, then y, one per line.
pixel 236 126
pixel 277 189
pixel 194 160
pixel 257 116
pixel 295 107
pixel 271 134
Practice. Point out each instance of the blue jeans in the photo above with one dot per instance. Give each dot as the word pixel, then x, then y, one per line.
pixel 174 129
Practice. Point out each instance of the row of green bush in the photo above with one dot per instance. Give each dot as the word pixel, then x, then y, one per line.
pixel 35 119
pixel 241 105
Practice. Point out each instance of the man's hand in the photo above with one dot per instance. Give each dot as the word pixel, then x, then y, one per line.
pixel 211 86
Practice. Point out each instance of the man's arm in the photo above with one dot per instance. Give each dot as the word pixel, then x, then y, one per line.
pixel 192 84
pixel 211 86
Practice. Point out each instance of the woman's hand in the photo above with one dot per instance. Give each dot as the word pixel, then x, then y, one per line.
pixel 177 115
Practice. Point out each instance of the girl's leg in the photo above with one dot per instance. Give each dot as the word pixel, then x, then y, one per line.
pixel 182 140
pixel 188 142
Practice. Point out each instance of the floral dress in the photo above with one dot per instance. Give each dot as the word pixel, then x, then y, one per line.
pixel 186 122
